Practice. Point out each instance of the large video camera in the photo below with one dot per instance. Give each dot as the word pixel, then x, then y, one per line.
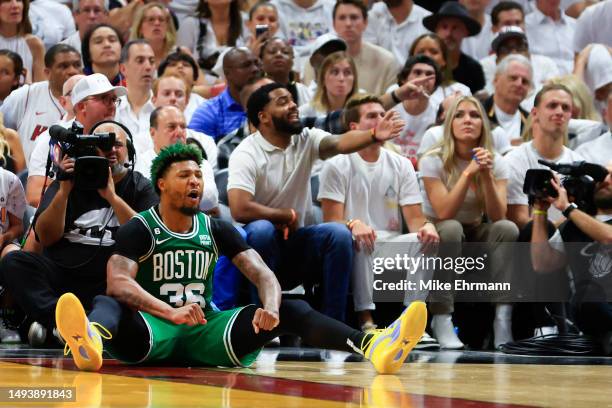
pixel 90 169
pixel 579 181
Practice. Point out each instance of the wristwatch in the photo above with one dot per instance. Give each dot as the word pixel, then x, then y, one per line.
pixel 571 207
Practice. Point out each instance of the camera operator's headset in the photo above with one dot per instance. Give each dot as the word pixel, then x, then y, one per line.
pixel 131 150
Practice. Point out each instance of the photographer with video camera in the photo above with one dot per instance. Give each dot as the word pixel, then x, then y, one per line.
pixel 96 191
pixel 582 242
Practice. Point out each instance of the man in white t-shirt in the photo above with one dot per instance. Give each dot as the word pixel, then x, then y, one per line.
pixel 551 114
pixel 138 67
pixel 87 13
pixel 38 160
pixel 373 188
pixel 269 190
pixel 512 82
pixel 478 46
pixel 168 127
pixel 31 109
pixel 418 112
pixel 551 32
pixel 394 25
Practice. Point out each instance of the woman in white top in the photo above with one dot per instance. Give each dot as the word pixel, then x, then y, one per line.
pixel 16 35
pixel 338 83
pixel 217 26
pixel 432 46
pixel 276 57
pixel 465 181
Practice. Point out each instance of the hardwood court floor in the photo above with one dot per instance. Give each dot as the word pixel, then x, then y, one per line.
pixel 315 378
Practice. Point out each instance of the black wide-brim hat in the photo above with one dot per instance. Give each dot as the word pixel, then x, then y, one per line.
pixel 452 9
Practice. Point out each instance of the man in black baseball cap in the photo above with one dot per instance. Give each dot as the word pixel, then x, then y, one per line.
pixel 452 23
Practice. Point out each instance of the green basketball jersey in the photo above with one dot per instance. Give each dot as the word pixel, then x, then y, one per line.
pixel 178 268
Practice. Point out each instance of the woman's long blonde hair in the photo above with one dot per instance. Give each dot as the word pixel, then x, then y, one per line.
pixel 320 101
pixel 445 149
pixel 170 38
pixel 5 149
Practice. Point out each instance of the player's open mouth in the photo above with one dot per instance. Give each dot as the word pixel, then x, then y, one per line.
pixel 194 195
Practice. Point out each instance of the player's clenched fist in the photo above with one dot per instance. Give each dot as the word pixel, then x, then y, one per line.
pixel 190 315
pixel 265 320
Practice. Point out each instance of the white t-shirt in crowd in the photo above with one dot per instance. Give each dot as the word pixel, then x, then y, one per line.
pixel 210 195
pixel 74 40
pixel 433 135
pixel 597 151
pixel 275 177
pixel 523 158
pixel 208 144
pixel 183 8
pixel 301 26
pixel 12 198
pixel 583 131
pixel 371 192
pixel 195 101
pixel 384 31
pixel 51 21
pixel 137 124
pixel 470 211
pixel 409 140
pixel 30 110
pixel 593 26
pixel 510 123
pixel 479 45
pixel 552 38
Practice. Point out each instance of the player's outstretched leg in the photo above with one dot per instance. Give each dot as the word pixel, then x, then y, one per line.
pixel 83 338
pixel 388 348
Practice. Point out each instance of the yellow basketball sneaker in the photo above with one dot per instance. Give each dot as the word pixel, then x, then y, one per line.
pixel 388 348
pixel 83 338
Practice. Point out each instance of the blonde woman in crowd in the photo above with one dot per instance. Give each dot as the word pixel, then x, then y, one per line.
pixel 337 81
pixel 154 24
pixel 464 182
pixel 11 152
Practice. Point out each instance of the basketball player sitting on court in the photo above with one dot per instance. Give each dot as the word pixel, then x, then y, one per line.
pixel 159 285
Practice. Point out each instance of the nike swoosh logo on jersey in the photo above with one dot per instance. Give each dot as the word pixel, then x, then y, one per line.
pixel 161 241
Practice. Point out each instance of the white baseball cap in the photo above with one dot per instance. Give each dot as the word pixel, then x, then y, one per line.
pixel 94 84
pixel 331 40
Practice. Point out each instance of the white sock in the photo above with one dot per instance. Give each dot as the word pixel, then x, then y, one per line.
pixel 503 311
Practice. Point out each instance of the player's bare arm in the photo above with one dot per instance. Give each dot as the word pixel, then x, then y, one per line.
pixel 121 284
pixel 254 268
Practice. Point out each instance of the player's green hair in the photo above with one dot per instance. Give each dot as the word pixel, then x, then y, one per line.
pixel 171 154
